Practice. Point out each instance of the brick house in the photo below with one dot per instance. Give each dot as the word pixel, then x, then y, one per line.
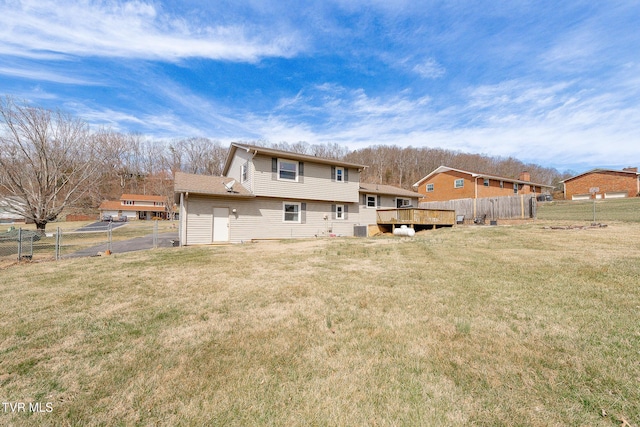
pixel 447 183
pixel 609 184
pixel 134 206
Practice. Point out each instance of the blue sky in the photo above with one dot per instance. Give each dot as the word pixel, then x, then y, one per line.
pixel 548 82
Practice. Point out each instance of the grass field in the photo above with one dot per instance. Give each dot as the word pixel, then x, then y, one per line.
pixel 477 325
pixel 627 210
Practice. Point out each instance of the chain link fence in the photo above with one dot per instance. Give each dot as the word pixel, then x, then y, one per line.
pixel 100 238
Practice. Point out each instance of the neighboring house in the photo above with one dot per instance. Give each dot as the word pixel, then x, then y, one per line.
pixel 273 194
pixel 447 183
pixel 603 183
pixel 134 206
pixel 7 215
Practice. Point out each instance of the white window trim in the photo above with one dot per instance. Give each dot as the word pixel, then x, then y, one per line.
pixel 405 199
pixel 339 208
pixel 280 161
pixel 284 213
pixel 486 182
pixel 375 201
pixel 340 173
pixel 515 188
pixel 430 188
pixel 455 183
pixel 244 172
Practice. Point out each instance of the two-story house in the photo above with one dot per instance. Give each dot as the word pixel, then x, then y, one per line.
pixel 134 206
pixel 273 194
pixel 447 183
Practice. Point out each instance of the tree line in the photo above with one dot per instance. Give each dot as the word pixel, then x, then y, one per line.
pixel 51 162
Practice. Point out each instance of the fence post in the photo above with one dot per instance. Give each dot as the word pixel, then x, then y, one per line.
pixel 19 243
pixel 58 242
pixel 155 234
pixel 109 238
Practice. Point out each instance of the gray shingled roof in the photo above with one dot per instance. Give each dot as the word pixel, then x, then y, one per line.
pixel 206 184
pixel 387 189
pixel 285 154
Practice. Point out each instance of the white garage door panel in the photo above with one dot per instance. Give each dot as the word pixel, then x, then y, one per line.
pixel 199 223
pixel 581 197
pixel 615 195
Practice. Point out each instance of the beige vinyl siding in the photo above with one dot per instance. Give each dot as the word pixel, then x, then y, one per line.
pixel 199 220
pixel 262 218
pixel 241 157
pixel 316 184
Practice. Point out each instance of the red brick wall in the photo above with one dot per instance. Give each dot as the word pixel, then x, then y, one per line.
pixel 443 188
pixel 606 181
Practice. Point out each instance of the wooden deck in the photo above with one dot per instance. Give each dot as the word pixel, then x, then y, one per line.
pixel 416 218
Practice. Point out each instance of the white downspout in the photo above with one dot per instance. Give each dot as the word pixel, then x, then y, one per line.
pixel 183 221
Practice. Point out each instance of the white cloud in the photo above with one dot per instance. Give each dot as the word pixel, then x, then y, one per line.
pixel 129 29
pixel 43 76
pixel 430 69
pixel 553 125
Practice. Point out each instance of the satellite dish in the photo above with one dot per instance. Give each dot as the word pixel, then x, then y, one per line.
pixel 229 185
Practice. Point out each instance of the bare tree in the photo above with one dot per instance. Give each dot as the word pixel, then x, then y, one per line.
pixel 197 155
pixel 46 160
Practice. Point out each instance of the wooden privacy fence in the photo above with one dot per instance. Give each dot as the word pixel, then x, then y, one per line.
pixel 511 207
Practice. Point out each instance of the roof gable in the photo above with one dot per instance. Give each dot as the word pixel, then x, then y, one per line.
pixel 284 154
pixel 600 170
pixel 442 169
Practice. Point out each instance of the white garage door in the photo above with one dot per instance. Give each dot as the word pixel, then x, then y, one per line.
pixel 581 197
pixel 615 195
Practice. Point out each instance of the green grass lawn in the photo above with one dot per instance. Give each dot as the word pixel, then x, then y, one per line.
pixel 475 325
pixel 627 210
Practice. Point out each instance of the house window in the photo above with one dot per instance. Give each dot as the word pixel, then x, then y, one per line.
pixel 486 182
pixel 340 174
pixel 459 183
pixel 291 212
pixel 372 201
pixel 339 211
pixel 429 188
pixel 128 202
pixel 515 188
pixel 287 170
pixel 501 184
pixel 243 172
pixel 400 203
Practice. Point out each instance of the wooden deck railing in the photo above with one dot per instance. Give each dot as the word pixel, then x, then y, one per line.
pixel 416 216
